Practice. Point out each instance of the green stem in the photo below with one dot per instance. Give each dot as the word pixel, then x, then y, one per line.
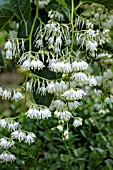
pixel 31 33
pixel 26 29
pixel 27 75
pixel 72 12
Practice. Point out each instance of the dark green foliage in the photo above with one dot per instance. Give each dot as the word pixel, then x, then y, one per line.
pixel 107 3
pixel 10 8
pixel 22 9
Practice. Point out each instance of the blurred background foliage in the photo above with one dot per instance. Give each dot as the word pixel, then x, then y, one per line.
pixel 89 147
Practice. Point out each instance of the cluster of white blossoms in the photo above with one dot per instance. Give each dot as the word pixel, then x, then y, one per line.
pixel 91 39
pixel 63 116
pixel 55 42
pixel 16 133
pixel 10 94
pixel 6 143
pixel 56 15
pixel 79 65
pixel 72 95
pixel 66 135
pixel 13 48
pixel 9 124
pixel 7 157
pixel 38 113
pixel 27 137
pixel 33 64
pixel 77 122
pixel 57 87
pixel 29 61
pixel 54 34
pixel 60 67
pixel 42 3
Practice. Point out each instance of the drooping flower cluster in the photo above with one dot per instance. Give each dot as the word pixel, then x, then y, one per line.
pixel 29 61
pixel 9 124
pixel 6 143
pixel 13 48
pixel 38 113
pixel 7 157
pixel 10 94
pixel 22 136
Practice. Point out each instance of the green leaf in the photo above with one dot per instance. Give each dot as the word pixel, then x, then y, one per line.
pixel 100 150
pixel 5 13
pixel 22 9
pixel 109 164
pixel 106 3
pixel 62 2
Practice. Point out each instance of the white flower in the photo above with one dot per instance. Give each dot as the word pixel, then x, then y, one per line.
pixel 92 81
pixel 1 91
pixel 91 33
pixel 41 3
pixel 36 64
pixel 104 111
pixel 58 42
pixel 62 86
pixel 29 86
pixel 18 135
pixel 73 105
pixel 58 104
pixel 39 43
pixel 51 87
pixel 11 125
pixel 4 143
pixel 33 113
pixel 26 64
pixel 38 114
pixel 9 54
pixel 79 66
pixel 17 96
pixel 42 90
pixel 91 46
pixel 30 138
pixel 98 92
pixel 51 40
pixel 103 55
pixel 60 128
pixel 109 100
pixel 8 45
pixel 6 94
pixel 45 113
pixel 77 122
pixel 99 80
pixel 3 123
pixel 66 135
pixel 59 16
pixel 67 68
pixel 108 74
pixel 63 116
pixel 73 95
pixel 72 84
pixel 57 67
pixel 56 49
pixel 80 77
pixel 7 157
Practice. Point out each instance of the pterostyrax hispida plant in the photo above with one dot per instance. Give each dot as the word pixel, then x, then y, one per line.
pixel 64 50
